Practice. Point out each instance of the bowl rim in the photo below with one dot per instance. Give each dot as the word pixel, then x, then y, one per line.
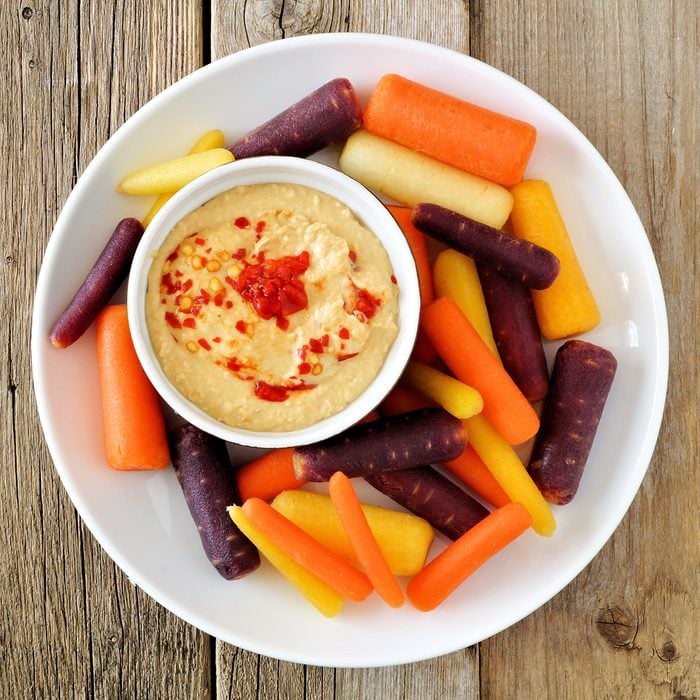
pixel 278 169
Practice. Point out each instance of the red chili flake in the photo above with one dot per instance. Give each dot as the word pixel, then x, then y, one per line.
pixel 218 300
pixel 316 346
pixel 273 287
pixel 229 280
pixel 178 298
pixel 229 304
pixel 162 301
pixel 196 310
pixel 304 368
pixel 241 222
pixel 178 273
pixel 344 333
pixel 203 297
pixel 393 279
pixel 174 338
pixel 199 241
pixel 303 351
pixel 187 286
pixel 173 256
pixel 189 323
pixel 241 326
pixel 341 358
pixel 204 261
pixel 353 256
pixel 325 339
pixel 172 320
pixel 260 227
pixel 216 340
pixel 234 364
pixel 207 251
pixel 366 304
pixel 239 254
pixel 260 257
pixel 204 344
pixel 167 281
pixel 270 392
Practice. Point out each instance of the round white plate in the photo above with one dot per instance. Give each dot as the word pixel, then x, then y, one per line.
pixel 141 518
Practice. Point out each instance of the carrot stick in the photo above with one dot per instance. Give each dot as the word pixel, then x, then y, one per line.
pixel 485 143
pixel 470 468
pixel 471 361
pixel 367 550
pixel 416 241
pixel 134 429
pixel 429 587
pixel 306 551
pixel 423 351
pixel 402 399
pixel 268 475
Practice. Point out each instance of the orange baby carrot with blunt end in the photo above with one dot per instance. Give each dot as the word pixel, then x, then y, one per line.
pixel 416 241
pixel 471 361
pixel 402 399
pixel 367 550
pixel 485 143
pixel 134 429
pixel 567 307
pixel 306 551
pixel 268 475
pixel 429 587
pixel 470 468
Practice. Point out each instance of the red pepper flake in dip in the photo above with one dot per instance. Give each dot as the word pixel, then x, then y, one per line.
pixel 267 323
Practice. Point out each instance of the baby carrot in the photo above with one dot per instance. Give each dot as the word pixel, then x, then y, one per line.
pixel 470 468
pixel 429 587
pixel 211 139
pixel 567 307
pixel 416 241
pixel 459 399
pixel 268 475
pixel 470 360
pixel 306 551
pixel 363 542
pixel 401 399
pixel 134 429
pixel 485 143
pixel 510 472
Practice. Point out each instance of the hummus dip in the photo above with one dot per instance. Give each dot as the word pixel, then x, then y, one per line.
pixel 271 306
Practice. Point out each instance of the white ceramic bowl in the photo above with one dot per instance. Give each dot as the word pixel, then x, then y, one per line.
pixel 298 171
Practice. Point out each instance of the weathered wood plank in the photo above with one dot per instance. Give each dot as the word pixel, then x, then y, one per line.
pixel 626 74
pixel 71 623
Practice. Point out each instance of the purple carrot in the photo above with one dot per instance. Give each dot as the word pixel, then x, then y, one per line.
pixel 327 115
pixel 395 442
pixel 103 280
pixel 534 266
pixel 430 495
pixel 516 332
pixel 581 379
pixel 207 479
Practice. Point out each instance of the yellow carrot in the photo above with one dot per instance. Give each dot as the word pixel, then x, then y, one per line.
pixel 509 472
pixel 455 276
pixel 171 175
pixel 211 139
pixel 567 307
pixel 324 598
pixel 454 396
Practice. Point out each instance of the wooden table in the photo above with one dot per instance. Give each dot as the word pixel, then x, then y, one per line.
pixel 625 72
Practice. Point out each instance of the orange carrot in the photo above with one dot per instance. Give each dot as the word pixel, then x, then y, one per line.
pixel 416 241
pixel 306 551
pixel 372 415
pixel 134 429
pixel 423 351
pixel 482 142
pixel 268 475
pixel 401 399
pixel 430 586
pixel 363 542
pixel 470 468
pixel 471 361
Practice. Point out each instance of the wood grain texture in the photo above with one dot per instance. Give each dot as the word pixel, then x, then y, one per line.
pixel 626 73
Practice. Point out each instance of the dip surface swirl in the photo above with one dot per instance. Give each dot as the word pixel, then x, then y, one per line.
pixel 271 307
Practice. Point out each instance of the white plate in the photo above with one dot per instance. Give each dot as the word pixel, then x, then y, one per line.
pixel 141 518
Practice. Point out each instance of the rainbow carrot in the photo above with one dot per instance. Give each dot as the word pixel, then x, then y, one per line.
pixel 429 587
pixel 416 241
pixel 510 472
pixel 324 598
pixel 211 139
pixel 567 307
pixel 134 429
pixel 268 475
pixel 485 143
pixel 402 399
pixel 363 542
pixel 470 468
pixel 471 361
pixel 306 551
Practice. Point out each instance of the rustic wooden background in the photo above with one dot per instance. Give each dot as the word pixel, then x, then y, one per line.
pixel 625 72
